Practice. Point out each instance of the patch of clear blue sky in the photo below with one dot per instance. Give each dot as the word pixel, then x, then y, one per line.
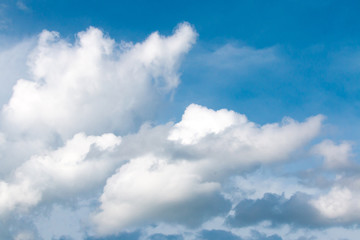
pixel 315 45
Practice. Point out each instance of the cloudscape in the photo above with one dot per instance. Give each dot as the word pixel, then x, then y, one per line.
pixel 179 121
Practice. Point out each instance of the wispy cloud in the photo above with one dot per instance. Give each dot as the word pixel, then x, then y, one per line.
pixel 241 58
pixel 238 59
pixel 4 21
pixel 22 6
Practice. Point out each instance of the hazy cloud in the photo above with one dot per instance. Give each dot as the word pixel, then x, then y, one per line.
pixel 22 6
pixel 276 209
pixel 242 58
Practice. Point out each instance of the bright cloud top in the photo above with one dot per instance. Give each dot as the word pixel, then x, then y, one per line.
pixel 159 184
pixel 94 85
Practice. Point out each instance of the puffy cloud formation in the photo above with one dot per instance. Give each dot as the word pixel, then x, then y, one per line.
pixel 160 178
pixel 186 170
pixel 148 190
pixel 59 142
pixel 91 86
pixel 61 174
pixel 335 156
pixel 341 203
pixel 232 141
pixel 94 85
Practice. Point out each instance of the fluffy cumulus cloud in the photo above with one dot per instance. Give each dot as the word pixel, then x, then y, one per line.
pixel 91 86
pixel 94 85
pixel 233 139
pixel 169 180
pixel 71 132
pixel 335 156
pixel 59 174
pixel 341 203
pixel 187 170
pixel 148 190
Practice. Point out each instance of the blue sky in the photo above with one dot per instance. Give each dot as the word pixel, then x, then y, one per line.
pixel 179 119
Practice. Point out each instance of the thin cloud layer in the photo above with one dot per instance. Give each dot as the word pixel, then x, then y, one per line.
pixel 242 58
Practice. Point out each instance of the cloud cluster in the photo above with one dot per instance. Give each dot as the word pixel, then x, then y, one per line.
pixel 94 85
pixel 70 133
pixel 186 170
pixel 341 203
pixel 161 178
pixel 57 130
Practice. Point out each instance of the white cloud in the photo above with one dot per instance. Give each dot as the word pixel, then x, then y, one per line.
pixel 59 175
pixel 335 156
pixel 190 166
pixel 341 204
pixel 198 121
pixel 338 203
pixel 13 64
pixel 149 189
pixel 232 141
pixel 93 85
pixel 53 147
